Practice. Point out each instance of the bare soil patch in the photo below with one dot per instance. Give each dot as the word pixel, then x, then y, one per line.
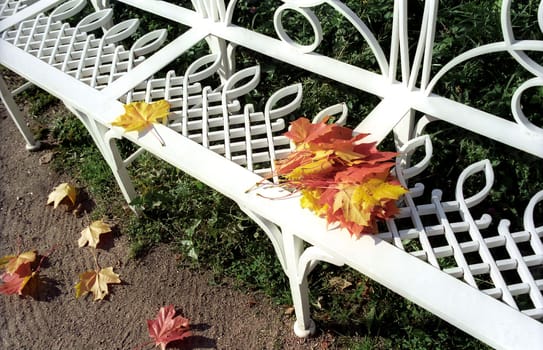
pixel 222 317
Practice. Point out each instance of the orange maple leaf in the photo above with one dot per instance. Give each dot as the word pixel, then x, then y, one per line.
pixel 21 274
pixel 340 177
pixel 304 133
pixel 166 328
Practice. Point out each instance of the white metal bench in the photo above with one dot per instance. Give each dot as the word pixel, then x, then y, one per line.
pixel 210 129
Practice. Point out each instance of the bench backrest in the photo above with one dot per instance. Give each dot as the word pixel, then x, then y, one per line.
pixel 405 76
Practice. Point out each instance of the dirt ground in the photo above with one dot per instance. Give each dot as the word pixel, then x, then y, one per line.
pixel 221 316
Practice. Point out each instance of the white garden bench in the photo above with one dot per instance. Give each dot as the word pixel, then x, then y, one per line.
pixel 213 136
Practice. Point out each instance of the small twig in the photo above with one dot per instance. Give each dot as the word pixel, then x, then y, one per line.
pixel 45 255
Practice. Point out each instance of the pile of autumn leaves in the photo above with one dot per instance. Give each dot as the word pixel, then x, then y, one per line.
pixel 340 177
pixel 21 275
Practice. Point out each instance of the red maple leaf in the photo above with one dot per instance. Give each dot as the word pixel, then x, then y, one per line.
pixel 166 328
pixel 13 283
pixel 341 177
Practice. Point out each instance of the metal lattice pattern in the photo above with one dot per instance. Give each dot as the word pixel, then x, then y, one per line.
pixel 213 117
pixel 10 7
pixel 76 51
pixel 505 265
pixel 210 115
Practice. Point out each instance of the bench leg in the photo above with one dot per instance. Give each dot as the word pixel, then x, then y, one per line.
pixel 17 116
pixel 120 172
pixel 294 247
pixel 107 146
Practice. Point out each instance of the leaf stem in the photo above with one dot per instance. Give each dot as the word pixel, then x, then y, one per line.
pixel 157 135
pixel 95 256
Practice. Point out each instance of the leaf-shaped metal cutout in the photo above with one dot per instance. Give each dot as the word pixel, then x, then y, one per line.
pixel 67 10
pixel 407 151
pixel 121 31
pixel 95 20
pixel 481 166
pixel 529 224
pixel 231 92
pixel 333 111
pixel 150 42
pixel 280 95
pixel 196 71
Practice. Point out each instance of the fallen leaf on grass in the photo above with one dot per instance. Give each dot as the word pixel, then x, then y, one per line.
pixel 62 192
pixel 46 158
pixel 96 281
pixel 166 328
pixel 91 234
pixel 339 283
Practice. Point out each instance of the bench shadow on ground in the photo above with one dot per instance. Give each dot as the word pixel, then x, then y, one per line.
pixel 195 341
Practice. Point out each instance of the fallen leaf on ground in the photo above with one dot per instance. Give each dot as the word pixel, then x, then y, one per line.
pixel 12 262
pixel 60 193
pixel 47 158
pixel 14 283
pixel 96 281
pixel 21 273
pixel 166 328
pixel 91 234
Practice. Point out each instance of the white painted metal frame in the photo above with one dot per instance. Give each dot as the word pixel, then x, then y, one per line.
pixel 210 128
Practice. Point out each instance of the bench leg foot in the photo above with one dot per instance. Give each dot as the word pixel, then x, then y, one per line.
pixel 34 147
pixel 294 247
pixel 17 117
pixel 303 332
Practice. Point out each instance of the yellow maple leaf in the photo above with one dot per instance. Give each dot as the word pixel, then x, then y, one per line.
pixel 62 191
pixel 354 209
pixel 310 200
pixel 358 201
pixel 319 164
pixel 13 262
pixel 91 234
pixel 377 190
pixel 96 281
pixel 140 115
